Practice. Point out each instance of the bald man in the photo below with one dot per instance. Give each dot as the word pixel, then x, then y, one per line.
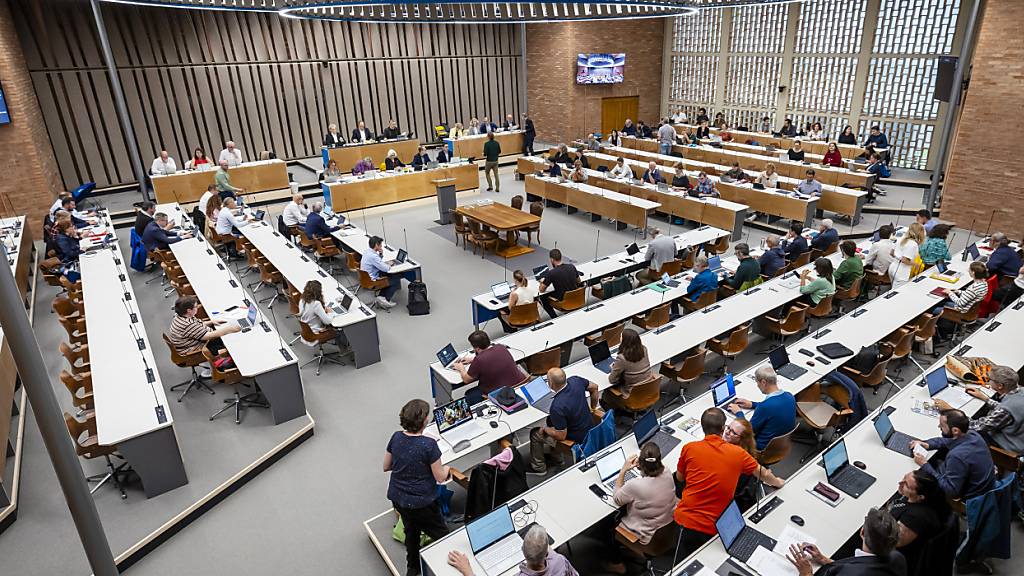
pixel 295 212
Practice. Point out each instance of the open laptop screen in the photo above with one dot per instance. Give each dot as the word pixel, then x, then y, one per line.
pixel 645 426
pixel 452 414
pixel 611 463
pixel 536 389
pixel 779 357
pixel 501 289
pixel 937 380
pixel 723 390
pixel 730 524
pixel 599 352
pixel 447 355
pixel 834 458
pixel 883 425
pixel 490 528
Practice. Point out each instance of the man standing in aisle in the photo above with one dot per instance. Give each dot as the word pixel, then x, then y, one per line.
pixel 666 137
pixel 222 180
pixel 530 133
pixel 492 150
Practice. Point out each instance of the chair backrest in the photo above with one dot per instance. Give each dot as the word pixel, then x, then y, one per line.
pixel 293 296
pixel 706 299
pixel 574 299
pixel 524 314
pixel 795 320
pixel 72 383
pixel 305 240
pixel 938 555
pixel 537 208
pixel 517 202
pixel 926 326
pixel 615 286
pixel 311 337
pixel 720 246
pixel 802 260
pixel 64 306
pixel 657 316
pixel 689 259
pixel 693 365
pixel 644 395
pixel 822 308
pixel 352 260
pixel 902 340
pixel 227 376
pixel 738 339
pixel 778 448
pixel 474 227
pixel 460 222
pixel 877 374
pixel 831 248
pixel 176 357
pixel 672 267
pixel 815 254
pixel 74 355
pixel 539 363
pixel 76 429
pixel 972 314
pixel 850 293
pixel 368 283
pixel 613 334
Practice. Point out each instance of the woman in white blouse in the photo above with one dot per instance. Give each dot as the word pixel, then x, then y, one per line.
pixel 613 138
pixel 816 133
pixel 457 131
pixel 522 293
pixel 314 314
pixel 904 254
pixel 769 178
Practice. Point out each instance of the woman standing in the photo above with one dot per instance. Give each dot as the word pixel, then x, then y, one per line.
pixel 521 294
pixel 905 252
pixel 414 461
pixel 630 367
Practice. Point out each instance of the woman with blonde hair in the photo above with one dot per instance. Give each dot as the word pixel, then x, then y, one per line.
pixel 906 254
pixel 522 293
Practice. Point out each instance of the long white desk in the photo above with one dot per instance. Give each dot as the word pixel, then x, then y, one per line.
pixel 131 408
pixel 18 249
pixel 355 239
pixel 359 323
pixel 260 352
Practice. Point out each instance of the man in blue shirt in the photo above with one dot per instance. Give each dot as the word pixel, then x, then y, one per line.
pixel 156 236
pixel 316 226
pixel 966 470
pixel 704 281
pixel 827 235
pixel 652 175
pixel 1004 260
pixel 876 138
pixel 809 186
pixel 794 244
pixel 924 218
pixel 568 419
pixel 775 415
pixel 773 258
pixel 373 264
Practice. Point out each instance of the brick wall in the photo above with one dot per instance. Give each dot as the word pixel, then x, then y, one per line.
pixel 31 179
pixel 563 110
pixel 985 174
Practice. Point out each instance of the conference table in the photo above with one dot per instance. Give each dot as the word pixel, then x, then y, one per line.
pixel 259 353
pixel 16 239
pixel 502 219
pixel 624 209
pixel 813 146
pixel 377 188
pixel 511 142
pixel 347 155
pixel 711 211
pixel 572 508
pixel 187 186
pixel 356 240
pixel 131 407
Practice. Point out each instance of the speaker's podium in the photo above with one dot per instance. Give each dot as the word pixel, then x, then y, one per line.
pixel 445 199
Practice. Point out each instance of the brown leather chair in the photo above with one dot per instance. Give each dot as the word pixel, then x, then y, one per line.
pixel 925 329
pixel 611 334
pixel 536 209
pixel 353 260
pixel 251 256
pixel 478 236
pixel 731 346
pixel 658 316
pixel 672 267
pixel 876 376
pixel 791 323
pixel 538 364
pixel 517 201
pixel 642 396
pixel 703 301
pixel 65 307
pixel 50 268
pixel 77 358
pixel 374 286
pixel 87 445
pixel 821 416
pixel 232 377
pixel 662 542
pixel 875 280
pixel 269 276
pixel 850 294
pixel 777 449
pixel 461 229
pixel 326 249
pixel 318 339
pixel 719 247
pixel 902 342
pixel 571 300
pixel 308 244
pixel 191 360
pixel 75 327
pixel 823 309
pixel 962 320
pixel 80 388
pixel 689 259
pixel 687 371
pixel 523 315
pixel 801 260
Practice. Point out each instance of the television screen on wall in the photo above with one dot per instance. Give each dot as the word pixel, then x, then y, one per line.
pixel 599 68
pixel 5 115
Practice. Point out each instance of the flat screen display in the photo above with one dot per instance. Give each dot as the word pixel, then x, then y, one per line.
pixel 600 68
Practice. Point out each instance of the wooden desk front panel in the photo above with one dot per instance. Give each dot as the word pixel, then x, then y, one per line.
pixel 348 156
pixel 587 202
pixel 766 202
pixel 187 187
pixel 380 191
pixel 511 143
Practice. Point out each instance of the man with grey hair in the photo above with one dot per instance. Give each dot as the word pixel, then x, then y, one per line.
pixel 295 212
pixel 1002 423
pixel 660 250
pixel 704 281
pixel 316 226
pixel 540 559
pixel 1004 260
pixel 773 416
pixel 774 258
pixel 827 236
pixel 230 154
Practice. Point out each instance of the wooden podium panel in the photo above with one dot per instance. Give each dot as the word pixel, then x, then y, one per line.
pixel 473 146
pixel 187 187
pixel 348 156
pixel 389 189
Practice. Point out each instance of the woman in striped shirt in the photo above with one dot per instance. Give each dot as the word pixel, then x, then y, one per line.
pixel 963 300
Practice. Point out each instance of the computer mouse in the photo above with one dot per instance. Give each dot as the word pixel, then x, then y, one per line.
pixel 860 464
pixel 494 424
pixel 797 520
pixel 810 363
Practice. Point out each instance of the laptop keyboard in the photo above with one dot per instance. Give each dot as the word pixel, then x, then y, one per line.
pixel 791 371
pixel 744 546
pixel 900 442
pixel 243 323
pixel 611 483
pixel 498 554
pixel 851 481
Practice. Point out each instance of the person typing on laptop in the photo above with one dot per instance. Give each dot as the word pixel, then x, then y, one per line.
pixel 492 367
pixel 877 555
pixel 568 419
pixel 313 312
pixel 748 272
pixel 630 367
pixel 522 293
pixel 189 334
pixel 1002 424
pixel 709 470
pixel 773 416
pixel 373 264
pixel 561 276
pixel 962 300
pixel 316 226
pixel 539 558
pixel 967 469
pixel 660 250
pixel 705 281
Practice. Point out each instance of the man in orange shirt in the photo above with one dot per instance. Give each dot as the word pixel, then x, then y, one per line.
pixel 709 470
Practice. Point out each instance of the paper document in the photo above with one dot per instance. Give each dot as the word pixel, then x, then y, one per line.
pixel 919 450
pixel 768 563
pixel 791 535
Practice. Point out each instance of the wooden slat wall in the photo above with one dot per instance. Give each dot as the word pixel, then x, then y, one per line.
pixel 198 78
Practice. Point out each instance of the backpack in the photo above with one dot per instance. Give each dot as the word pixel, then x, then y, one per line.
pixel 418 304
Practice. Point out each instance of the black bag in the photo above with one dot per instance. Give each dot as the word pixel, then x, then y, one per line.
pixel 865 360
pixel 281 228
pixel 418 303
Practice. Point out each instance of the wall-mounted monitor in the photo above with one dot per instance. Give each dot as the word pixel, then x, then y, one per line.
pixel 600 68
pixel 5 115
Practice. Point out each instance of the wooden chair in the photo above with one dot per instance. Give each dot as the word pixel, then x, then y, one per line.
pixel 318 339
pixel 719 247
pixel 823 309
pixel 50 268
pixel 658 316
pixel 611 334
pixel 536 209
pixel 875 280
pixel 571 300
pixel 850 294
pixel 689 259
pixel 793 322
pixel 873 378
pixel 925 329
pixel 65 307
pixel 269 276
pixel 672 267
pixel 523 315
pixel 251 256
pixel 374 286
pixel 819 415
pixel 190 360
pixel 80 388
pixel 703 301
pixel 731 346
pixel 517 201
pixel 777 449
pixel 232 377
pixel 308 244
pixel 962 320
pixel 642 396
pixel 687 371
pixel 662 542
pixel 902 342
pixel 830 249
pixel 327 250
pixel 353 260
pixel 78 358
pixel 87 445
pixel 801 261
pixel 75 327
pixel 461 229
pixel 478 236
pixel 538 364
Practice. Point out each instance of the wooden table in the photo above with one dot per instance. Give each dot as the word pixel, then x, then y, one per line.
pixel 185 187
pixel 505 219
pixel 473 146
pixel 813 146
pixel 622 208
pixel 355 192
pixel 347 156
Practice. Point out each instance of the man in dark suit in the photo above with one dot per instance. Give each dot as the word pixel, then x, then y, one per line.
pixel 529 135
pixel 156 236
pixel 316 226
pixel 877 555
pixel 362 133
pixel 827 235
pixel 794 243
pixel 144 217
pixel 332 138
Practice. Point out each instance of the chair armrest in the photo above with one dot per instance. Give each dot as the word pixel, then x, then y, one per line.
pixel 627 534
pixel 459 478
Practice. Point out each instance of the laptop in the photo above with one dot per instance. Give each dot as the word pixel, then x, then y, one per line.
pixel 758 186
pixel 401 256
pixel 845 476
pixel 447 355
pixel 632 249
pixel 715 264
pixel 779 358
pixel 891 439
pixel 601 356
pixel 501 290
pixel 539 270
pixel 646 429
pixel 250 318
pixel 740 540
pixel 939 389
pixel 723 391
pixel 455 422
pixel 538 393
pixel 496 545
pixel 973 251
pixel 609 466
pixel 342 307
